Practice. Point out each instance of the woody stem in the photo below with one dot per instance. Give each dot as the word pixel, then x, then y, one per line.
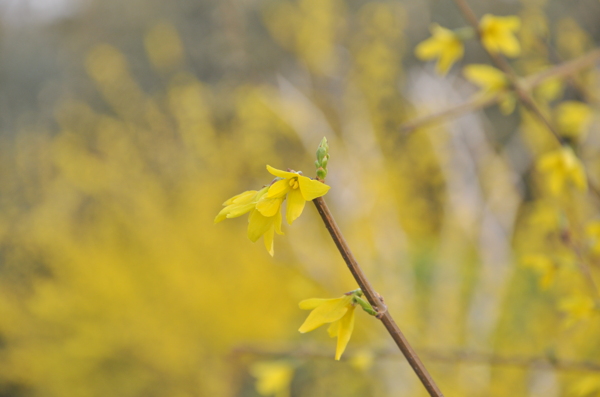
pixel 373 298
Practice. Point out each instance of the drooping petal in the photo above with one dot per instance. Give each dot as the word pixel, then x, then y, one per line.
pixel 269 206
pixel 239 210
pixel 334 329
pixel 345 329
pixel 277 222
pixel 311 189
pixel 279 188
pixel 428 49
pixel 241 197
pixel 485 76
pixel 280 173
pixel 310 304
pixel 258 225
pixel 295 205
pixel 329 311
pixel 269 240
pixel 453 52
pixel 222 215
pixel 509 45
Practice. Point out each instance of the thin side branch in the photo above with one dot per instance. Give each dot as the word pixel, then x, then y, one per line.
pixel 527 83
pixel 374 299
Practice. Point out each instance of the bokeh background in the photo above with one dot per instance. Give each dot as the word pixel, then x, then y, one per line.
pixel 124 125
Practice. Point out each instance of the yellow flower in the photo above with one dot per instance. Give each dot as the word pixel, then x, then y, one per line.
pixel 273 378
pixel 258 224
pixel 339 312
pixel 497 34
pixel 562 169
pixel 492 81
pixel 573 118
pixel 444 44
pixel 299 189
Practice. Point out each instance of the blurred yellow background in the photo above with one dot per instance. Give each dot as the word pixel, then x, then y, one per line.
pixel 125 125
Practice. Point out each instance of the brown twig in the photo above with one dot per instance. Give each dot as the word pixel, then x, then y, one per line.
pixel 374 299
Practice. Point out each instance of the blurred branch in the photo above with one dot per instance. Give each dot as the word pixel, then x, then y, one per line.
pixel 451 357
pixel 563 70
pixel 375 300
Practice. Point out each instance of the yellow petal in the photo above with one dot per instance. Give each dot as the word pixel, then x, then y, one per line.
pixel 277 223
pixel 311 189
pixel 241 197
pixel 222 215
pixel 269 206
pixel 295 205
pixel 258 225
pixel 345 328
pixel 239 210
pixel 279 188
pixel 453 52
pixel 329 311
pixel 485 76
pixel 280 173
pixel 334 329
pixel 310 304
pixel 269 240
pixel 509 45
pixel 428 49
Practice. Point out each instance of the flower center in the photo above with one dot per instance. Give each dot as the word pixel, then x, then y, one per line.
pixel 294 183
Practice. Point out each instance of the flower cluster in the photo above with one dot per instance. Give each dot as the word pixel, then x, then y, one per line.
pixel 497 36
pixel 265 205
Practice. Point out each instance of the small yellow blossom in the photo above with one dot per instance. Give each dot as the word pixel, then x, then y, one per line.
pixel 492 81
pixel 542 265
pixel 573 118
pixel 577 308
pixel 498 34
pixel 258 224
pixel 298 188
pixel 273 378
pixel 338 312
pixel 562 170
pixel 444 44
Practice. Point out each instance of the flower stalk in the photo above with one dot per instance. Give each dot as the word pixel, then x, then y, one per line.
pixel 375 300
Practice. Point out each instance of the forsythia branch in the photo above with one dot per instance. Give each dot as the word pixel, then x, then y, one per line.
pixel 375 300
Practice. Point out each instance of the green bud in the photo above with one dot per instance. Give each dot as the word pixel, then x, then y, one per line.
pixel 321 173
pixel 366 306
pixel 322 159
